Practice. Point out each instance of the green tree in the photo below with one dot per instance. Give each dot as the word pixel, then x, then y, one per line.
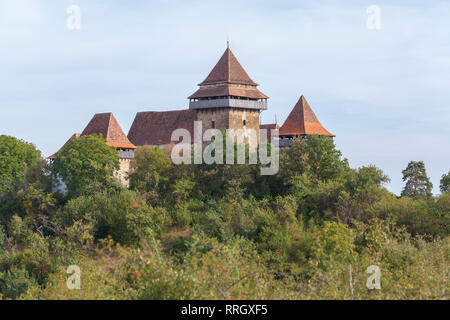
pixel 150 172
pixel 369 176
pixel 445 183
pixel 86 160
pixel 15 156
pixel 32 198
pixel 418 185
pixel 122 214
pixel 15 281
pixel 317 156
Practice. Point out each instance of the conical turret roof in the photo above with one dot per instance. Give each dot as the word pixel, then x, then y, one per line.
pixel 107 125
pixel 228 70
pixel 303 121
pixel 228 78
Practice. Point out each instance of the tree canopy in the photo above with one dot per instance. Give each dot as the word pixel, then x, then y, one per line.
pixel 86 160
pixel 418 185
pixel 15 156
pixel 316 156
pixel 150 172
pixel 215 231
pixel 445 183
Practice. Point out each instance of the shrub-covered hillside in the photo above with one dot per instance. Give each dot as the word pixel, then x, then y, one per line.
pixel 217 231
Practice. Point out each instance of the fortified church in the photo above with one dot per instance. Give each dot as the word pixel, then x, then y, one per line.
pixel 227 99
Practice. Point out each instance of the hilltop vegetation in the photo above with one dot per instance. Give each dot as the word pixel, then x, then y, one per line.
pixel 217 231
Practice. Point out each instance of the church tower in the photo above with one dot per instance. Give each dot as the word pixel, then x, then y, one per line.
pixel 228 98
pixel 107 125
pixel 301 122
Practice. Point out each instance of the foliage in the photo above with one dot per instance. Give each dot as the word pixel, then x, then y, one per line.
pixel 317 156
pixel 418 185
pixel 150 172
pixel 14 282
pixel 122 214
pixel 15 156
pixel 445 183
pixel 85 160
pixel 220 231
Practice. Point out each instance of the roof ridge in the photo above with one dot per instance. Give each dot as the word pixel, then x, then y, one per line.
pixel 178 110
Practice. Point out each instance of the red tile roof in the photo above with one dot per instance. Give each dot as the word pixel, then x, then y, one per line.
pixel 107 125
pixel 228 78
pixel 303 121
pixel 228 70
pixel 155 128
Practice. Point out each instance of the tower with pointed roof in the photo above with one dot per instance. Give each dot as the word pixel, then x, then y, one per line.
pixel 302 122
pixel 106 125
pixel 228 98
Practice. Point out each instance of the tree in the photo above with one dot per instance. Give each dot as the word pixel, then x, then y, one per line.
pixel 32 198
pixel 15 156
pixel 418 185
pixel 120 213
pixel 445 183
pixel 86 160
pixel 366 178
pixel 317 156
pixel 150 172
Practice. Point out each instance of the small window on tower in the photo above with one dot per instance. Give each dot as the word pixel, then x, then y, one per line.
pixel 213 124
pixel 245 122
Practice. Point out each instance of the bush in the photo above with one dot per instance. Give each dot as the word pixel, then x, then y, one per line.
pixel 418 216
pixel 36 257
pixel 2 237
pixel 336 245
pixel 15 282
pixel 220 231
pixel 122 214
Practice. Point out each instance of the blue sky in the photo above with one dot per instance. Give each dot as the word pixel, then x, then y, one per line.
pixel 384 93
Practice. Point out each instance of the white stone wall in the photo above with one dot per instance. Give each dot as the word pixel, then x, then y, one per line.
pixel 122 173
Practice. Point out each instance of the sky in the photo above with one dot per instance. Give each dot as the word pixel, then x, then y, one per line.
pixel 381 86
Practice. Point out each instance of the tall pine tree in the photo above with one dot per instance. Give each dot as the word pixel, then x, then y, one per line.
pixel 418 185
pixel 445 183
